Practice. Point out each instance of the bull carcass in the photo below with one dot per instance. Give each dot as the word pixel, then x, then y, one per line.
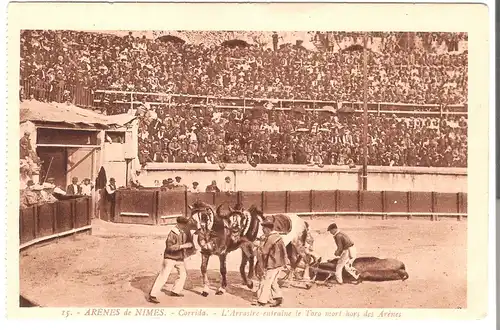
pixel 369 269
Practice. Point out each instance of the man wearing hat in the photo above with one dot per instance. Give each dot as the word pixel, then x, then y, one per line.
pixel 346 251
pixel 46 192
pixel 28 196
pixel 178 185
pixel 109 193
pixel 195 188
pixel 56 190
pixel 167 185
pixel 178 246
pixel 25 145
pixel 273 256
pixel 74 188
pixel 37 190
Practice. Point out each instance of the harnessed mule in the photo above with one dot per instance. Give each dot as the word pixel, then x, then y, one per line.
pixel 219 235
pixel 293 230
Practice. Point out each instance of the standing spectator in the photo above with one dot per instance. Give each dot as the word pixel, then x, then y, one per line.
pixel 228 186
pixel 195 188
pixel 178 183
pixel 135 180
pixel 178 246
pixel 87 187
pixel 25 145
pixel 110 194
pixel 275 41
pixel 74 188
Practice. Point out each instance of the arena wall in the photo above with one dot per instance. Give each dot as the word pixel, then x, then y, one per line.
pixel 271 177
pixel 155 207
pixel 52 220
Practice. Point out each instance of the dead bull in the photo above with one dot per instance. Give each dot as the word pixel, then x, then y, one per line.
pixel 369 269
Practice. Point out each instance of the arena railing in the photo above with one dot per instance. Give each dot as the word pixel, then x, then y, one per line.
pixel 54 220
pixel 156 207
pixel 131 98
pixel 79 95
pixel 85 97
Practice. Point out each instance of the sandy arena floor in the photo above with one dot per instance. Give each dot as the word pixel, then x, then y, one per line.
pixel 117 264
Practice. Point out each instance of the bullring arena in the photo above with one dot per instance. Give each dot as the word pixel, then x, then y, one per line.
pixel 260 118
pixel 116 265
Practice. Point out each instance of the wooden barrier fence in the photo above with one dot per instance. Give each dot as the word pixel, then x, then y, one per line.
pixel 47 221
pixel 156 207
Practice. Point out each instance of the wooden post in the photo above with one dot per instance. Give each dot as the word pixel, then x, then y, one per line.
pixel 433 203
pixel 54 217
pixel 35 220
pixel 408 204
pixel 239 197
pixel 89 210
pixel 263 201
pixel 73 213
pixel 311 192
pixel 359 202
pixel 384 205
pixel 337 200
pixel 287 201
pixel 156 203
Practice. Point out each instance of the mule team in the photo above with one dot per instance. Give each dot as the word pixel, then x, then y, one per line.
pixel 275 242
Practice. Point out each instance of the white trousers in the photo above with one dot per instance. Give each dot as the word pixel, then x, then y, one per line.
pixel 346 257
pixel 269 287
pixel 167 267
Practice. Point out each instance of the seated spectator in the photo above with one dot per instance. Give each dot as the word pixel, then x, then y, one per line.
pixel 212 187
pixel 195 188
pixel 220 117
pixel 167 185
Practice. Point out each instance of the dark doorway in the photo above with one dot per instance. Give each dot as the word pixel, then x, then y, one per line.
pixel 54 164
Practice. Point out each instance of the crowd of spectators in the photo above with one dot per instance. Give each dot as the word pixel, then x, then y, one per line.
pixel 100 61
pixel 209 135
pixel 189 132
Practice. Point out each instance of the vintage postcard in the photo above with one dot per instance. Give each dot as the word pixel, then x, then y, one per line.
pixel 248 160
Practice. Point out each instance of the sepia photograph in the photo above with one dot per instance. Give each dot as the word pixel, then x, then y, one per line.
pixel 261 169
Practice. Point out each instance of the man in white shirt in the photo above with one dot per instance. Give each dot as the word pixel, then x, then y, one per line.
pixel 195 188
pixel 227 186
pixel 87 187
pixel 135 180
